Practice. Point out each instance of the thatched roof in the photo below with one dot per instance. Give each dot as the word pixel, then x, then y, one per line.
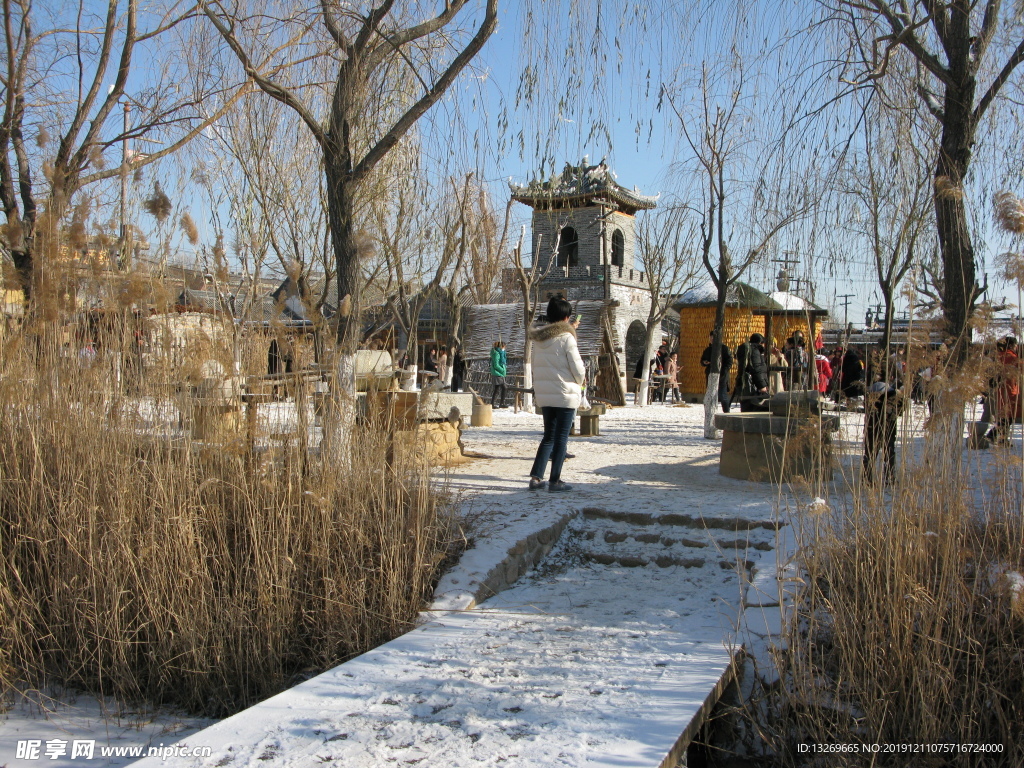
pixel 737 295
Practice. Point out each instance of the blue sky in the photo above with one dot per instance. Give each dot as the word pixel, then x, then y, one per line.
pixel 642 143
pixel 597 94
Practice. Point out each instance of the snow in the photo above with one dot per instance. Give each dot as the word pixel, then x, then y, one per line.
pixel 792 302
pixel 66 718
pixel 580 663
pixel 599 656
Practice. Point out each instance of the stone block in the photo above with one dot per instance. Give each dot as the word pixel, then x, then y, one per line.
pixel 632 562
pixel 764 621
pixel 799 403
pixel 438 405
pixel 769 448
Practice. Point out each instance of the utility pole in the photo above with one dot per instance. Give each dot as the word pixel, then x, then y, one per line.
pixel 846 308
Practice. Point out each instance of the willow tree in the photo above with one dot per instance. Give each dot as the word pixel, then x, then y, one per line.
pixel 666 250
pixel 889 194
pixel 345 69
pixel 74 95
pixel 745 189
pixel 964 52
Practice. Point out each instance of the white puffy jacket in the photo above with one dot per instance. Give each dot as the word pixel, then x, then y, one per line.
pixel 558 372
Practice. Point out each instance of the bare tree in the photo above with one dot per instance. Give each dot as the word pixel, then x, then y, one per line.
pixel 528 278
pixel 890 193
pixel 964 51
pixel 744 184
pixel 424 252
pixel 486 246
pixel 666 247
pixel 481 271
pixel 370 51
pixel 68 75
pixel 273 155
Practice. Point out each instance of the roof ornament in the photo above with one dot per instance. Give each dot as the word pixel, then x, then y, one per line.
pixel 782 280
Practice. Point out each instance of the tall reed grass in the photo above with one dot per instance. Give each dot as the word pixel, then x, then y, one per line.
pixel 139 563
pixel 908 624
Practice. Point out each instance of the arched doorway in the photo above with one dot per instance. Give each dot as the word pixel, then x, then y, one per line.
pixel 618 248
pixel 635 336
pixel 568 248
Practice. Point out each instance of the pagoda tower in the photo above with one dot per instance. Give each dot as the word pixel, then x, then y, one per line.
pixel 592 218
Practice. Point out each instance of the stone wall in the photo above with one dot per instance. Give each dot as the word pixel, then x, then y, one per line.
pixel 634 304
pixel 524 555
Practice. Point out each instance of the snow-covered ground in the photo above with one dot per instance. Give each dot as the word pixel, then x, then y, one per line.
pixel 600 651
pixel 600 656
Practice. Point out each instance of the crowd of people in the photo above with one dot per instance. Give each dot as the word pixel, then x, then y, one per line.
pixel 748 376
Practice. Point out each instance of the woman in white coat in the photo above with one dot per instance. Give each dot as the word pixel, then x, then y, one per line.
pixel 558 378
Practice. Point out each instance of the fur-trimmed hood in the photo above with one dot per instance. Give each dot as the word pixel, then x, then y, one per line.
pixel 552 330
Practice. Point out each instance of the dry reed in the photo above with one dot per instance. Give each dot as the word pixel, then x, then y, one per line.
pixel 908 628
pixel 139 563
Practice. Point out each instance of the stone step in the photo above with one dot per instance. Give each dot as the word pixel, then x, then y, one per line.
pixel 609 536
pixel 627 561
pixel 681 520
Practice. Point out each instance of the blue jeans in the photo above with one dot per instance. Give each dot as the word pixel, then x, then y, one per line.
pixel 557 423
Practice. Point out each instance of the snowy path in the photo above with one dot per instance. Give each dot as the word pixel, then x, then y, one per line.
pixel 600 656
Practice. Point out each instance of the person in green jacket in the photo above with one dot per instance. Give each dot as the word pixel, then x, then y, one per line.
pixel 499 369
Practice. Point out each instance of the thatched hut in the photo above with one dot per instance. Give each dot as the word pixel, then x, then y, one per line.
pixel 747 310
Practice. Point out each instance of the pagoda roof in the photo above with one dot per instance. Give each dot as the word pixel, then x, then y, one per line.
pixel 581 183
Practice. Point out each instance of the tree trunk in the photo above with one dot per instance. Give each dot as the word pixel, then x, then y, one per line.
pixel 887 332
pixel 959 267
pixel 340 216
pixel 710 402
pixel 22 259
pixel 528 383
pixel 528 311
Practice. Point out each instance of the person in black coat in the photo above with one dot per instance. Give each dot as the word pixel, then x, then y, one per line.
pixel 852 374
pixel 458 368
pixel 725 364
pixel 881 420
pixel 752 374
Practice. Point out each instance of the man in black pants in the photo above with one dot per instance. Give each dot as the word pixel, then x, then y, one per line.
pixel 725 364
pixel 881 419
